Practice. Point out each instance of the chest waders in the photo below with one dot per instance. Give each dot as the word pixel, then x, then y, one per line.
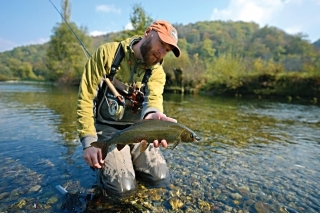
pixel 118 177
pixel 117 103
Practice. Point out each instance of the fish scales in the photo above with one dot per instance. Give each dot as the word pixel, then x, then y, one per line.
pixel 149 130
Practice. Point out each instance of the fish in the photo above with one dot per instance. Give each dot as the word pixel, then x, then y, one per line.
pixel 146 131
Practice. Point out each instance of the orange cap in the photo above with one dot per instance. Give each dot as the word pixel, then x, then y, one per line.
pixel 167 34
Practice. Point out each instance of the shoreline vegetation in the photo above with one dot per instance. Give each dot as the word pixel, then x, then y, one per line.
pixel 217 58
pixel 289 88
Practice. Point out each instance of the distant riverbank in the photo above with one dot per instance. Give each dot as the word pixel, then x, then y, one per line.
pixel 285 86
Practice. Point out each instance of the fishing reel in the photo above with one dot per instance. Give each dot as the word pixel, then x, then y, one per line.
pixel 115 107
pixel 121 98
pixel 136 99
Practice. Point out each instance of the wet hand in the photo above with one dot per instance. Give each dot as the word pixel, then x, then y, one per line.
pixel 93 157
pixel 162 142
pixel 160 116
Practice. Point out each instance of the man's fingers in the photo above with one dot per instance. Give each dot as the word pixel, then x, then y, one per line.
pixel 156 143
pixel 88 161
pixel 95 163
pixel 165 118
pixel 96 158
pixel 93 156
pixel 164 143
pixel 171 120
pixel 160 116
pixel 99 155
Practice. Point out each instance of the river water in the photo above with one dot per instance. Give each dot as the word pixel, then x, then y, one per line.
pixel 255 155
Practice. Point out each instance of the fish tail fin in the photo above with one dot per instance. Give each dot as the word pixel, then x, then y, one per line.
pixel 143 145
pixel 175 144
pixel 104 148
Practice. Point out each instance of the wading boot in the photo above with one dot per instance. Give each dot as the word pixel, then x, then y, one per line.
pixel 150 166
pixel 117 177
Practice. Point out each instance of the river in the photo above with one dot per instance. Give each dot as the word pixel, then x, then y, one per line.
pixel 255 155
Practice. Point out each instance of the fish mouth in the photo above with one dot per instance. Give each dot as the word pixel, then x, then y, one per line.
pixel 197 138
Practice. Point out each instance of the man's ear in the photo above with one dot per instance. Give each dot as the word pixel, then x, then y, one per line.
pixel 148 32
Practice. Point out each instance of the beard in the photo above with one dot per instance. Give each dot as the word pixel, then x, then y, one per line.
pixel 147 53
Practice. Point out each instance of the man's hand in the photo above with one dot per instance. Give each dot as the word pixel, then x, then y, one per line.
pixel 160 116
pixel 93 157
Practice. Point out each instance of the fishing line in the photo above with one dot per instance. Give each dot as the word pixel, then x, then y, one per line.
pixel 88 55
pixel 86 52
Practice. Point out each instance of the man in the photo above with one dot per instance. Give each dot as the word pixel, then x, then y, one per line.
pixel 100 118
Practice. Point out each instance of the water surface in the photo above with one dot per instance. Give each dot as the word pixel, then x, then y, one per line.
pixel 255 155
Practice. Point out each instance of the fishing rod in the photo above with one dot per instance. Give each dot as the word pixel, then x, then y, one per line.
pixel 88 55
pixel 86 52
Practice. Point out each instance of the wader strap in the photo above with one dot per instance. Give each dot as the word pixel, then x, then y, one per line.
pixel 146 76
pixel 116 61
pixel 119 55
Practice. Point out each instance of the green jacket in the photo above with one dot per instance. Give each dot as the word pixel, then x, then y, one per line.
pixel 94 73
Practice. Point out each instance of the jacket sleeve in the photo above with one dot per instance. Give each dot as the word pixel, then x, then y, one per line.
pixel 153 101
pixel 96 67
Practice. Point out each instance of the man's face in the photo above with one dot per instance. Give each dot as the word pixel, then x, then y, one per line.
pixel 153 50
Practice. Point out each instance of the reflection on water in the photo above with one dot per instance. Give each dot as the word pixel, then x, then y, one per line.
pixel 255 155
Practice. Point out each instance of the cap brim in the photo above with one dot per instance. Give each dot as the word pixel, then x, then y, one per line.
pixel 169 40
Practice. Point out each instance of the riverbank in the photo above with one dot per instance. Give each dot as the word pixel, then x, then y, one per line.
pixel 289 86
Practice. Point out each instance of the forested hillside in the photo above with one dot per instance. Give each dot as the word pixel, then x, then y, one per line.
pixel 317 44
pixel 212 52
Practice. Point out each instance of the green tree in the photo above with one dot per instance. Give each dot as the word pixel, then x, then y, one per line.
pixel 21 70
pixel 206 50
pixel 5 73
pixel 64 56
pixel 140 21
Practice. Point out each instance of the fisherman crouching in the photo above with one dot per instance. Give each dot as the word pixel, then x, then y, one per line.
pixel 122 83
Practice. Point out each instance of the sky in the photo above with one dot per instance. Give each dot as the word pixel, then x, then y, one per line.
pixel 25 22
